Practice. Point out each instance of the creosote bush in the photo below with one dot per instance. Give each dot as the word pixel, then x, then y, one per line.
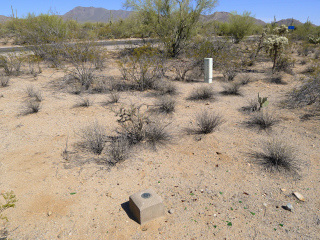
pixel 204 92
pixel 276 156
pixel 206 122
pixel 93 137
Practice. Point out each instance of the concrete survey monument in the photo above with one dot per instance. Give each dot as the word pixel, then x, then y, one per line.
pixel 146 206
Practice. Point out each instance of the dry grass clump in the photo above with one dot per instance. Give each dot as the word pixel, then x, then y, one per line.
pixel 277 79
pixel 84 102
pixel 118 151
pixel 231 88
pixel 114 97
pixel 252 106
pixel 166 88
pixel 206 122
pixel 93 138
pixel 31 106
pixel 307 94
pixel 204 92
pixel 4 81
pixel 262 120
pixel 34 94
pixel 277 156
pixel 166 105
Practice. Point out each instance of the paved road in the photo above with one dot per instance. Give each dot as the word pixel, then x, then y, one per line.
pixel 113 44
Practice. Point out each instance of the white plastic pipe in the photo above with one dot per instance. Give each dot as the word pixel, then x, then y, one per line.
pixel 208 70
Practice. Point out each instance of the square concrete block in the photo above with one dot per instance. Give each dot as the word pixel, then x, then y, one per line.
pixel 146 205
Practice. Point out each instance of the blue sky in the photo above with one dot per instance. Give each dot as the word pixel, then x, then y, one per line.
pixel 261 9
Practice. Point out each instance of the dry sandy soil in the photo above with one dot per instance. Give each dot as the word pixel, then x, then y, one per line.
pixel 208 181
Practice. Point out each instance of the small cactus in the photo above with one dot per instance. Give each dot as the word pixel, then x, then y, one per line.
pixel 263 102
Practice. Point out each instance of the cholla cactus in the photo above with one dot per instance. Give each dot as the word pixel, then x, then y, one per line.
pixel 280 31
pixel 314 40
pixel 275 46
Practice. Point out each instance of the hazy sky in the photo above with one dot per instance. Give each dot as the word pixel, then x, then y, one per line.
pixel 261 9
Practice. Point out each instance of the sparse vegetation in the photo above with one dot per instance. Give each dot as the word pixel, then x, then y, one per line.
pixel 277 156
pixel 118 151
pixel 114 97
pixel 34 94
pixel 93 138
pixel 165 105
pixel 4 81
pixel 202 93
pixel 263 120
pixel 84 102
pixel 10 200
pixel 232 88
pixel 206 122
pixel 31 106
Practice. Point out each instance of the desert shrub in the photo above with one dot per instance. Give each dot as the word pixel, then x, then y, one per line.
pixel 34 94
pixel 84 57
pixel 9 199
pixel 157 134
pixel 132 124
pixel 284 64
pixel 240 25
pixel 276 156
pixel 252 106
pixel 11 63
pixel 4 81
pixel 136 127
pixel 34 65
pixel 306 94
pixel 231 88
pixel 303 62
pixel 166 88
pixel 93 138
pixel 84 102
pixel 206 122
pixel 263 120
pixel 114 97
pixel 317 54
pixel 118 151
pixel 277 79
pixel 202 93
pixel 166 105
pixel 185 69
pixel 31 106
pixel 244 78
pixel 144 67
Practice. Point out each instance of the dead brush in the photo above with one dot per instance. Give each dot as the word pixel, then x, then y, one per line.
pixel 118 151
pixel 34 94
pixel 30 106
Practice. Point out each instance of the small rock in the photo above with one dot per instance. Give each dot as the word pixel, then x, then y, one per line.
pixel 171 211
pixel 49 213
pixel 144 229
pixel 283 189
pixel 299 196
pixel 214 215
pixel 288 207
pixel 264 204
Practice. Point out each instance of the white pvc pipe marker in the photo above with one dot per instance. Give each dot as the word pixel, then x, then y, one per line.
pixel 208 70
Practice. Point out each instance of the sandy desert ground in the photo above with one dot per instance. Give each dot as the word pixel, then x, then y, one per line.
pixel 210 184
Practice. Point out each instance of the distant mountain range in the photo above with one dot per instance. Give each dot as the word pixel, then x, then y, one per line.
pixel 92 14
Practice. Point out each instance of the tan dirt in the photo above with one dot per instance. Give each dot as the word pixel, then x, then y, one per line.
pixel 208 180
